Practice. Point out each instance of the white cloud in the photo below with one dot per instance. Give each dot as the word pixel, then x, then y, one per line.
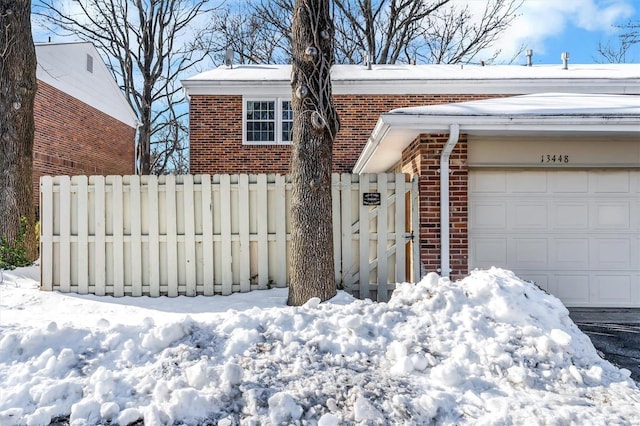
pixel 541 20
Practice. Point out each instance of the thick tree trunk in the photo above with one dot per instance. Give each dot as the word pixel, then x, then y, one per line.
pixel 17 92
pixel 314 128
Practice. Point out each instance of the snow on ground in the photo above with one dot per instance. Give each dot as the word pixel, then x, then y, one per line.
pixel 487 350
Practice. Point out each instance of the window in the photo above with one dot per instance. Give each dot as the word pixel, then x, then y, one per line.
pixel 267 121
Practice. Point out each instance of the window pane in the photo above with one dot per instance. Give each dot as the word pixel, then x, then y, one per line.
pixel 287 121
pixel 287 127
pixel 287 113
pixel 260 121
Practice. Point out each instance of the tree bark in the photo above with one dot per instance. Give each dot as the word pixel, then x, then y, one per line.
pixel 17 93
pixel 315 124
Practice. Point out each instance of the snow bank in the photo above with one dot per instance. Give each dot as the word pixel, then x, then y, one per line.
pixel 489 349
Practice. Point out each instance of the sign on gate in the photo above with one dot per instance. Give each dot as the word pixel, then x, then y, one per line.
pixel 371 199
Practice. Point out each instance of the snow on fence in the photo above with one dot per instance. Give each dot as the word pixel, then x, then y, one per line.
pixel 220 234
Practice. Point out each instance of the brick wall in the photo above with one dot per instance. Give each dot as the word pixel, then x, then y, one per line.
pixel 73 138
pixel 216 147
pixel 216 132
pixel 423 157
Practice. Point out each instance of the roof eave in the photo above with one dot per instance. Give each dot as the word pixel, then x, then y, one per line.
pixel 394 132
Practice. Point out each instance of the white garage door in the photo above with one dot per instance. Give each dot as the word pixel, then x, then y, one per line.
pixel 576 233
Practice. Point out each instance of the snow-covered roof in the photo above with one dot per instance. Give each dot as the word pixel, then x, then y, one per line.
pixel 406 79
pixel 545 113
pixel 68 68
pixel 537 104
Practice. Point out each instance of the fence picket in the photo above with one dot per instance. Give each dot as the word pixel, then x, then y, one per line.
pixel 154 236
pixel 189 235
pixel 99 245
pixel 65 233
pixel 207 236
pixel 346 237
pixel 281 231
pixel 364 271
pixel 135 239
pixel 118 235
pixel 172 235
pixel 46 232
pixel 400 227
pixel 243 230
pixel 82 263
pixel 263 232
pixel 381 272
pixel 336 225
pixel 415 228
pixel 225 234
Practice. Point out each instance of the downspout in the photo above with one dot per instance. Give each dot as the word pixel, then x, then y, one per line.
pixel 454 134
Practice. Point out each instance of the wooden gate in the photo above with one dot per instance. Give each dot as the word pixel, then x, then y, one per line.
pixel 220 234
pixel 377 243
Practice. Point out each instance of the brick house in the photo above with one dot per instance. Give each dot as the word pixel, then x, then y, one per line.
pixel 535 169
pixel 83 123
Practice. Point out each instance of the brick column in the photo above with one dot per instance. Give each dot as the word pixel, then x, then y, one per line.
pixel 422 156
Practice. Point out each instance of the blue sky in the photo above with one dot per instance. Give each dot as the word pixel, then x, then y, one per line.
pixel 550 27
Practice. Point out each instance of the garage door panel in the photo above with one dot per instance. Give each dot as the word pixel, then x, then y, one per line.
pixel 525 215
pixel 574 215
pixel 610 182
pixel 489 215
pixel 579 240
pixel 612 290
pixel 634 178
pixel 531 252
pixel 488 182
pixel 570 252
pixel 569 182
pixel 572 289
pixel 489 252
pixel 611 215
pixel 612 253
pixel 527 182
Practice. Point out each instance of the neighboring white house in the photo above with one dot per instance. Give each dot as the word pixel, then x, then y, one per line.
pixel 78 70
pixel 83 123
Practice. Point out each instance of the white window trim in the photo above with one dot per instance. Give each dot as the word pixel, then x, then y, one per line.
pixel 278 119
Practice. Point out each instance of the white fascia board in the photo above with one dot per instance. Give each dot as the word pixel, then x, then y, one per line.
pixel 394 132
pixel 243 88
pixel 485 86
pixel 425 86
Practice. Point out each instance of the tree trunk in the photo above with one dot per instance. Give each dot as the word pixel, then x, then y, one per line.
pixel 314 128
pixel 17 92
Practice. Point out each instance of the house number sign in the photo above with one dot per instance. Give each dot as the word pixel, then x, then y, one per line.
pixel 371 199
pixel 554 159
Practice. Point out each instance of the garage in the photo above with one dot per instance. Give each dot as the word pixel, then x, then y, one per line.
pixel 546 185
pixel 571 225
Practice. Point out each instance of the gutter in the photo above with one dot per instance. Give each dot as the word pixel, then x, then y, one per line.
pixel 454 135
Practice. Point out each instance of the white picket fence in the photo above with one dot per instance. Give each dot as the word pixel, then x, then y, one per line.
pixel 220 234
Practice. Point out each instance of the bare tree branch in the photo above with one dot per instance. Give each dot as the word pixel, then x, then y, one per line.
pixel 387 31
pixel 619 52
pixel 455 35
